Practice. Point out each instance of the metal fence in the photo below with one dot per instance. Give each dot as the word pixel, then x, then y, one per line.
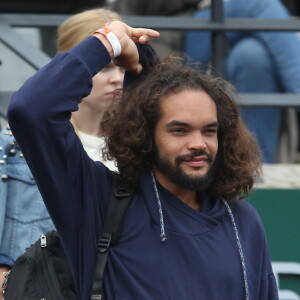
pixel 217 24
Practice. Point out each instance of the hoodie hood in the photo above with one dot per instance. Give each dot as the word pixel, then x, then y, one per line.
pixel 195 222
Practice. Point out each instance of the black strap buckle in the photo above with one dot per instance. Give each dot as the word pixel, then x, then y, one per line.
pixel 121 192
pixel 104 242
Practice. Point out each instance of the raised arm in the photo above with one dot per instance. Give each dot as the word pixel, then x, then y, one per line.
pixel 39 116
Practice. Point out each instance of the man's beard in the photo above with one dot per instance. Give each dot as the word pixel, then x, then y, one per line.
pixel 180 178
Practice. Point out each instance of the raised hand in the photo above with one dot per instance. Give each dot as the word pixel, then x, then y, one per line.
pixel 128 36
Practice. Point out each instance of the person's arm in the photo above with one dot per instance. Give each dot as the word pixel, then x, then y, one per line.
pixel 39 115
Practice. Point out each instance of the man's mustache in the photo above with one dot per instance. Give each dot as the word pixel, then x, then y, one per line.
pixel 182 158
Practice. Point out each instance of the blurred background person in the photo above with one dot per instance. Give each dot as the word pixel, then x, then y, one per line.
pixel 257 62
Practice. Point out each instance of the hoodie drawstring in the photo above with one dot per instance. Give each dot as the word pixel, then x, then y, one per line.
pixel 161 216
pixel 241 254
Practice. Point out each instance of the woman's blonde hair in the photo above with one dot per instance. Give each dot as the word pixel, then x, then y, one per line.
pixel 77 27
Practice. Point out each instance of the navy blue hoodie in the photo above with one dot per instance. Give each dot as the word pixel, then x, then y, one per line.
pixel 200 258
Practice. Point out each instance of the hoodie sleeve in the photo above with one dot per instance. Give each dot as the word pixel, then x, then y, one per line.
pixel 39 116
pixel 269 290
pixel 268 286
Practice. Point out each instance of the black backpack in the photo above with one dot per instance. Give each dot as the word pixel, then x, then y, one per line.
pixel 42 272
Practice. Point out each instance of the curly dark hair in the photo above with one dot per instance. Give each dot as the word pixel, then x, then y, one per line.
pixel 129 128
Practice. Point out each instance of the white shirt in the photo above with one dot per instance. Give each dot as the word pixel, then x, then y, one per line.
pixel 92 145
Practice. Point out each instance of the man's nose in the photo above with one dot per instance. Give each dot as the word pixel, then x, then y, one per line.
pixel 196 141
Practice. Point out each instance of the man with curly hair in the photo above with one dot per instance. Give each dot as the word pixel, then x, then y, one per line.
pixel 177 137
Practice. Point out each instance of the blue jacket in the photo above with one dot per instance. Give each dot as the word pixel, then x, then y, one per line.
pixel 23 215
pixel 200 258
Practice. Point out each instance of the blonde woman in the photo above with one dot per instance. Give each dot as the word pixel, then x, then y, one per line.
pixel 88 117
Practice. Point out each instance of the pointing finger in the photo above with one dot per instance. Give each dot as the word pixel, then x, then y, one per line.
pixel 138 32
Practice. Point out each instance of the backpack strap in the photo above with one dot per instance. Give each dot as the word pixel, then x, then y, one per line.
pixel 120 199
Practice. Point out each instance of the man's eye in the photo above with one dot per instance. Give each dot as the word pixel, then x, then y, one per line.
pixel 211 130
pixel 178 130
